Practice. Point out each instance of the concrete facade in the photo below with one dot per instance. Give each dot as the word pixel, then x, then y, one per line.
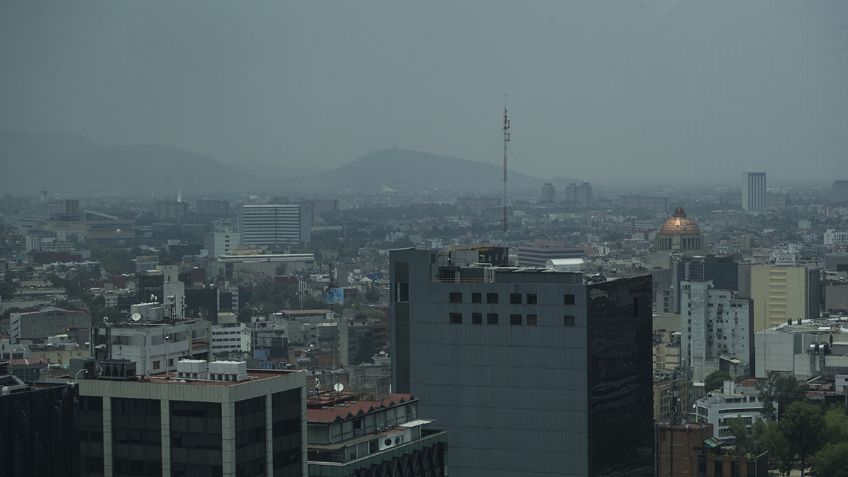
pixel 718 325
pixel 781 293
pixel 262 384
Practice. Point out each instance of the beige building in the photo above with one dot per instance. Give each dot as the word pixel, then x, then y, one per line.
pixel 781 293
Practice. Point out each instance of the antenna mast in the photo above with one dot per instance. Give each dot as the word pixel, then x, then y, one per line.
pixel 506 140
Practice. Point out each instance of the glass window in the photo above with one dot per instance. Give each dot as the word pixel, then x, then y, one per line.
pixel 476 297
pixel 492 318
pixel 515 319
pixel 491 297
pixel 531 299
pixel 568 320
pixel 476 318
pixel 531 320
pixel 455 318
pixel 568 299
pixel 515 298
pixel 455 297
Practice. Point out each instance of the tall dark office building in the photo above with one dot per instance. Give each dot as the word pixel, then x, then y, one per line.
pixel 531 372
pixel 38 435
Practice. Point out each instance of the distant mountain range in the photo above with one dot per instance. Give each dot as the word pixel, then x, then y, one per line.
pixel 68 163
pixel 33 161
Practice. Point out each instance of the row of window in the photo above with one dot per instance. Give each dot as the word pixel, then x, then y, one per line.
pixel 514 298
pixel 515 319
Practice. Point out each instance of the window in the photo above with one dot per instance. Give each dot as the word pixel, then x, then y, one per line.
pixel 456 297
pixel 455 318
pixel 568 299
pixel 402 292
pixel 491 297
pixel 568 320
pixel 531 299
pixel 531 320
pixel 156 365
pixel 476 318
pixel 515 298
pixel 515 319
pixel 492 318
pixel 476 297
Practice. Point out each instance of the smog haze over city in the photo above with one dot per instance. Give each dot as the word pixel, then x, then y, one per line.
pixel 383 238
pixel 600 91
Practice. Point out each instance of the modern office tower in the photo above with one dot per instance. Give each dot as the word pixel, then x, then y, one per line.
pixel 784 292
pixel 39 433
pixel 361 438
pixel 718 325
pixel 723 271
pixel 274 225
pixel 754 191
pixel 548 193
pixel 531 372
pixel 208 419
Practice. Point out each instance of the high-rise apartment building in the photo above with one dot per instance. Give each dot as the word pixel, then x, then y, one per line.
pixel 548 193
pixel 784 292
pixel 723 271
pixel 754 191
pixel 273 225
pixel 208 419
pixel 717 324
pixel 531 372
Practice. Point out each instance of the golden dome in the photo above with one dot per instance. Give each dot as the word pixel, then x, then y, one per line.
pixel 679 224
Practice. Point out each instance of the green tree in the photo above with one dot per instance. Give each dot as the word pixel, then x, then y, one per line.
pixel 715 380
pixel 769 438
pixel 832 460
pixel 781 389
pixel 836 425
pixel 802 426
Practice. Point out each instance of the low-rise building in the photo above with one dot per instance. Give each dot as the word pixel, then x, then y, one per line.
pixel 230 339
pixel 806 350
pixel 732 402
pixel 357 438
pixel 154 347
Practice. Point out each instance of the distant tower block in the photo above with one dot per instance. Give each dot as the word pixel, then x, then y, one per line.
pixel 754 191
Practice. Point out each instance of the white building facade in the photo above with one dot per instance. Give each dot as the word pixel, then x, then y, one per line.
pixel 717 324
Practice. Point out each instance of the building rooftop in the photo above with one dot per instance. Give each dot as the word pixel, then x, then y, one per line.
pixel 171 379
pixel 339 410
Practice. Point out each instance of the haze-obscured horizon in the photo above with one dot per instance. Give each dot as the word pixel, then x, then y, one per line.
pixel 644 91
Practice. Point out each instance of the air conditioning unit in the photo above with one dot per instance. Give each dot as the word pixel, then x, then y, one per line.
pixel 394 439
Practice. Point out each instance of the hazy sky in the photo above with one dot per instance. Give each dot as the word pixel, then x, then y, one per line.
pixel 605 91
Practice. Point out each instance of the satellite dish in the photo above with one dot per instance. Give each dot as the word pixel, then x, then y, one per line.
pixel 136 316
pixel 338 387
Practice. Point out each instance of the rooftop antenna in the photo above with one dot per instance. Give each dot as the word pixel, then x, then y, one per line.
pixel 506 140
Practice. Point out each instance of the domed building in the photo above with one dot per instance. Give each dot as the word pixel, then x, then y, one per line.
pixel 679 234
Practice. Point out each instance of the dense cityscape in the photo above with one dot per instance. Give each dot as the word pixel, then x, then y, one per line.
pixel 423 239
